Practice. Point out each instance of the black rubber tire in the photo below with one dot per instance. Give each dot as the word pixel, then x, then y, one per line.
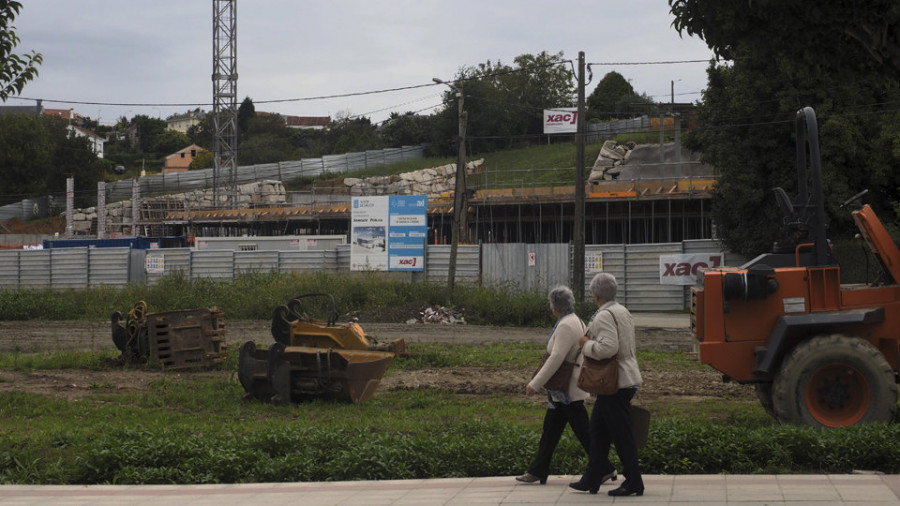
pixel 764 394
pixel 835 380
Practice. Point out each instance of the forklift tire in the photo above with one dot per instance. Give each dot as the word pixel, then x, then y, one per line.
pixel 835 381
pixel 764 394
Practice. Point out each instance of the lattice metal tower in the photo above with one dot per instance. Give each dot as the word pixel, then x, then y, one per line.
pixel 224 77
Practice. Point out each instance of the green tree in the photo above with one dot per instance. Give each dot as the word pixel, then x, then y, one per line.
pixel 504 104
pixel 203 160
pixel 745 125
pixel 351 134
pixel 169 142
pixel 73 157
pixel 408 129
pixel 849 37
pixel 246 112
pixel 26 151
pixel 266 140
pixel 615 98
pixel 148 129
pixel 15 70
pixel 37 154
pixel 201 134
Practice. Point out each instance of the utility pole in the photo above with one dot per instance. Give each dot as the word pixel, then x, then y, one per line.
pixel 460 227
pixel 578 232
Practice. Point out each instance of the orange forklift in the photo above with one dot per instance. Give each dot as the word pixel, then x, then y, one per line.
pixel 818 352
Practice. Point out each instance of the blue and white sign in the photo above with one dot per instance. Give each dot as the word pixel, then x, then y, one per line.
pixel 407 233
pixel 389 233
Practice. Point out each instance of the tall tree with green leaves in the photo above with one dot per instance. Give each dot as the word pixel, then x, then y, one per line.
pixel 38 153
pixel 504 103
pixel 785 55
pixel 246 112
pixel 15 70
pixel 615 98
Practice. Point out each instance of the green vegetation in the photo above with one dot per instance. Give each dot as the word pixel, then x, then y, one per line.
pixel 196 428
pixel 745 124
pixel 253 296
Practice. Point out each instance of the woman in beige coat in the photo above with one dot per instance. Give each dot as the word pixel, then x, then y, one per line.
pixel 611 333
pixel 563 407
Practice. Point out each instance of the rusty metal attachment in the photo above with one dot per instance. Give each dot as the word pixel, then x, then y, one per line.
pixel 181 339
pixel 314 358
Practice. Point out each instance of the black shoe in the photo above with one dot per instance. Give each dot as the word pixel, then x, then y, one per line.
pixel 583 487
pixel 530 478
pixel 624 490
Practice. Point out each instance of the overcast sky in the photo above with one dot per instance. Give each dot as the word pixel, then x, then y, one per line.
pixel 159 52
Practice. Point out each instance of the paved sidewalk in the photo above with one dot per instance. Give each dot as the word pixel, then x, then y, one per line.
pixel 806 490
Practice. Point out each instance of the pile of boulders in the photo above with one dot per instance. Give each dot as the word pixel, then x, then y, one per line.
pixel 612 156
pixel 118 214
pixel 433 181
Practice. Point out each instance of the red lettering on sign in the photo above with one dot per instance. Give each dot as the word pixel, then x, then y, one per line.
pixel 562 118
pixel 688 269
pixel 408 261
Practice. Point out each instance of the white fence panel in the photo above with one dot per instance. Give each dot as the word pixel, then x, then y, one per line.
pixel 108 266
pixel 212 264
pixel 643 290
pixel 9 269
pixel 247 262
pixel 69 267
pixel 437 263
pixel 293 261
pixel 175 260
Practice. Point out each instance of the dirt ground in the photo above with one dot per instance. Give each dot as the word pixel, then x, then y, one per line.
pixel 30 337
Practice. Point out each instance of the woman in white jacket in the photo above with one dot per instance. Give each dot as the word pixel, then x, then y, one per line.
pixel 611 334
pixel 564 406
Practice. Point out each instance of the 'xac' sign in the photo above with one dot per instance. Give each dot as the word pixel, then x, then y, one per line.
pixel 561 120
pixel 683 269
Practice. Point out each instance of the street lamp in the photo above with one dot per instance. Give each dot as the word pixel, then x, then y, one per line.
pixel 460 227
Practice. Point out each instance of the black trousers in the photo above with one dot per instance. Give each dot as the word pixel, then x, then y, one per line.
pixel 611 424
pixel 555 420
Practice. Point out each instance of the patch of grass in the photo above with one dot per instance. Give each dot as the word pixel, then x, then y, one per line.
pixel 495 355
pixel 91 360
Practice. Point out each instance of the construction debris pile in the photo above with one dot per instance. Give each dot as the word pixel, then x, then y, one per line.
pixel 438 314
pixel 608 164
pixel 433 181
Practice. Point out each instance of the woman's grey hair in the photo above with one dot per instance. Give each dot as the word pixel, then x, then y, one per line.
pixel 604 286
pixel 562 300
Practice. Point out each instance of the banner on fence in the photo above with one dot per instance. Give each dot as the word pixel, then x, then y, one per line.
pixel 683 269
pixel 389 233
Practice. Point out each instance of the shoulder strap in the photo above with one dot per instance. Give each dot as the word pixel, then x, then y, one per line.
pixel 614 320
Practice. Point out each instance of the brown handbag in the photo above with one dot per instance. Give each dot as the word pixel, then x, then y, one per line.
pixel 600 377
pixel 560 379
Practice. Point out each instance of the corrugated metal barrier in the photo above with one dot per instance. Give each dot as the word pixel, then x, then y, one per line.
pixel 517 266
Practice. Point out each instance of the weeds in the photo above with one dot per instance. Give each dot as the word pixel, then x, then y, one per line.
pixel 253 296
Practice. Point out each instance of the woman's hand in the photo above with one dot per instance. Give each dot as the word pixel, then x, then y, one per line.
pixel 528 391
pixel 583 340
